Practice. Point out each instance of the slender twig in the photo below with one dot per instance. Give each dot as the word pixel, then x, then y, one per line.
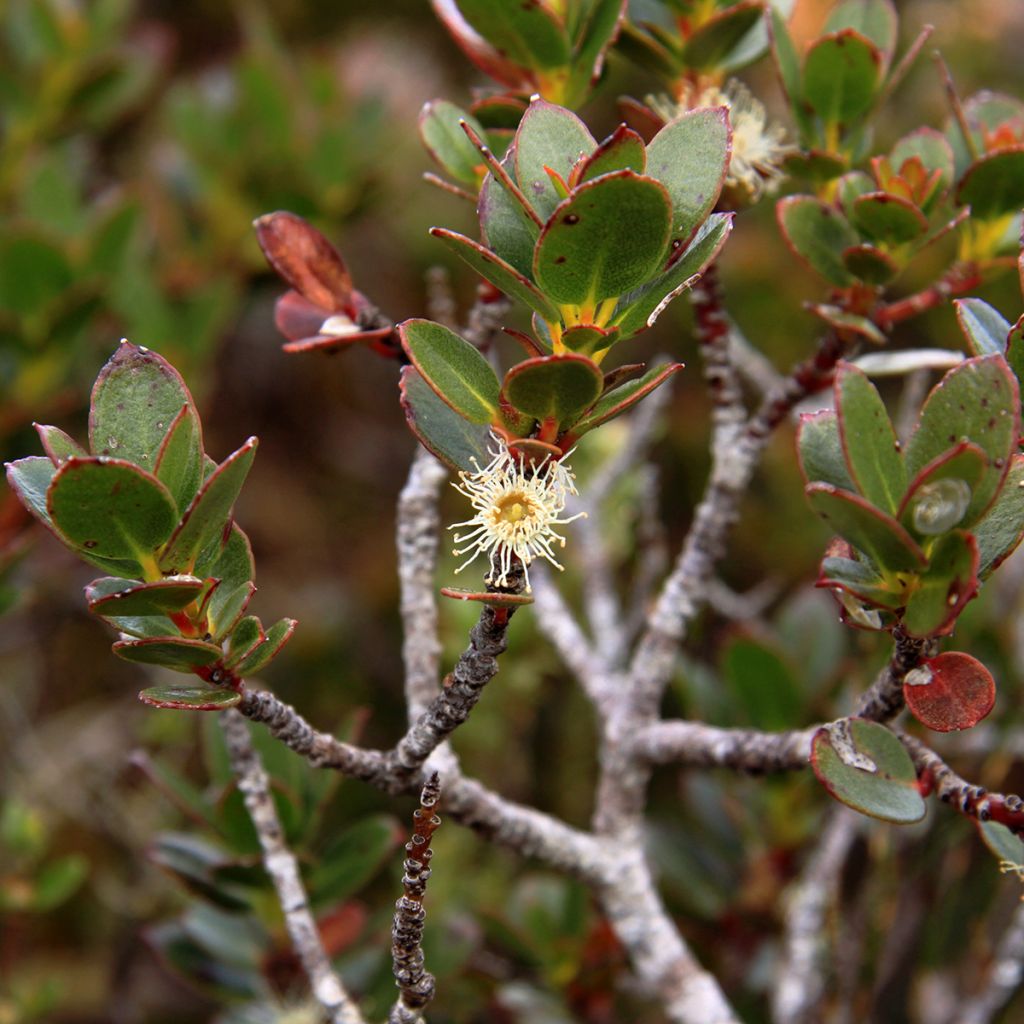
pixel 283 868
pixel 883 700
pixel 696 745
pixel 1005 976
pixel 415 983
pixel 800 977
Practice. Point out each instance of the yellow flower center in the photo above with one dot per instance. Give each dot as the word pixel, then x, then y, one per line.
pixel 513 508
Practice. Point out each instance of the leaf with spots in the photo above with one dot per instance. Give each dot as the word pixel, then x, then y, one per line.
pixel 555 388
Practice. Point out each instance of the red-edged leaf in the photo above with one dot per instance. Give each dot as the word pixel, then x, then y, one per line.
pixel 949 582
pixel 949 692
pixel 190 698
pixel 931 506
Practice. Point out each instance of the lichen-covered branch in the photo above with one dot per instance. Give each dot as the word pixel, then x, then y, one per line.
pixel 696 745
pixel 415 983
pixel 281 865
pixel 800 984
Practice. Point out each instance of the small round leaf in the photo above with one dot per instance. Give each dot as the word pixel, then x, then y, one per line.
pixel 949 692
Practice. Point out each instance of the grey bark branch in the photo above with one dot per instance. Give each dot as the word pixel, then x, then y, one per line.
pixel 418 532
pixel 696 745
pixel 800 986
pixel 281 865
pixel 883 701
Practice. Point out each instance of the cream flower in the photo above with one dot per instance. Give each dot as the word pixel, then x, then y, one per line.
pixel 758 148
pixel 517 509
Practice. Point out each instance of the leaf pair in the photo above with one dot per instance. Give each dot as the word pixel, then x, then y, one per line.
pixel 920 526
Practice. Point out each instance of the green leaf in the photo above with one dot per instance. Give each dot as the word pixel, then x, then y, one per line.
pixel 619 400
pixel 180 654
pixel 869 442
pixel 552 137
pixel 788 64
pixel 1002 842
pixel 821 450
pixel 179 461
pixel 269 648
pixel 930 507
pixel 57 881
pixel 229 561
pixel 949 582
pixel 714 41
pixel 869 264
pixel 622 150
pixel 111 596
pixel 504 225
pixel 111 509
pixel 208 515
pixel 29 478
pixel 190 698
pixel 194 861
pixel 33 275
pixel 867 528
pixel 554 388
pixel 135 399
pixel 245 638
pixel 588 340
pixel 58 445
pixel 459 374
pixel 818 234
pixel 842 72
pixel 888 792
pixel 227 606
pixel 592 41
pixel 985 328
pixel 441 430
pixel 994 184
pixel 931 148
pixel 607 238
pixel 501 274
pixel 690 157
pixel 860 580
pixel 950 692
pixel 529 34
pixel 352 859
pixel 874 19
pixel 976 401
pixel 1002 528
pixel 763 684
pixel 889 219
pixel 442 135
pixel 640 309
pixel 144 627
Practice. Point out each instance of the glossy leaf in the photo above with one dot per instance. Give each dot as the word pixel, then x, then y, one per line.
pixel 245 637
pixel 529 34
pixel 622 150
pixel 267 649
pixel 177 653
pixel 554 388
pixel 502 275
pixel 621 399
pixel 994 184
pixel 841 76
pixel 1002 528
pixel 456 371
pixel 714 41
pixel 888 792
pixel 190 698
pixel 58 445
pixel 179 460
pixel 229 560
pixel 550 137
pixel 821 450
pixel 29 478
pixel 444 139
pixel 226 607
pixel 607 238
pixel 870 446
pixel 867 528
pixel 640 309
pixel 208 515
pixel 690 157
pixel 111 508
pixel 950 692
pixel 977 401
pixel 949 582
pixel 889 219
pixel 818 234
pixel 135 399
pixel 111 596
pixel 504 225
pixel 922 506
pixel 985 328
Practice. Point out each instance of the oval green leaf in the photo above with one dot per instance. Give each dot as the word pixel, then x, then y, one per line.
pixel 111 596
pixel 994 184
pixel 818 233
pixel 949 582
pixel 821 450
pixel 176 653
pixel 190 698
pixel 842 72
pixel 985 328
pixel 554 388
pixel 888 219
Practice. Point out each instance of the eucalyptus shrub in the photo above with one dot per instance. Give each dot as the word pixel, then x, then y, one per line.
pixel 593 238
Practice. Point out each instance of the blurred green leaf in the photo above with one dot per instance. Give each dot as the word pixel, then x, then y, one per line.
pixel 351 859
pixel 841 75
pixel 818 234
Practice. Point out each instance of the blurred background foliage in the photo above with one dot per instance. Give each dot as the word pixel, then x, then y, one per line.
pixel 139 139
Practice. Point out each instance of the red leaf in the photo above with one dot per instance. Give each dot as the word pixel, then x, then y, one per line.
pixel 949 692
